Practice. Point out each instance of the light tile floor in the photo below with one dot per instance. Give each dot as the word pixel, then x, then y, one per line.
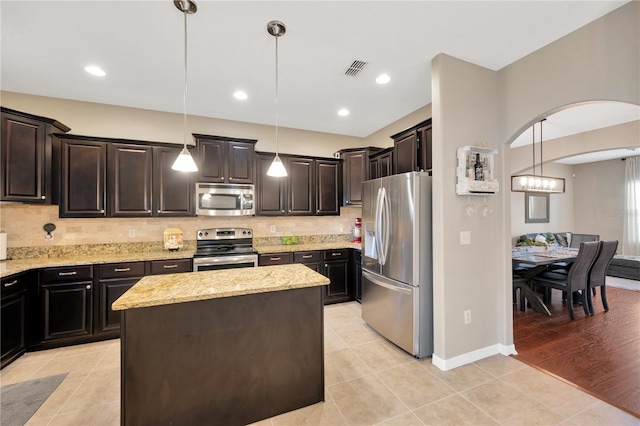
pixel 368 381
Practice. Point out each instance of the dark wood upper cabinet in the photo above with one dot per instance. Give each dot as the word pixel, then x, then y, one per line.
pixel 412 148
pixel 301 185
pixel 26 158
pixel 327 187
pixel 83 181
pixel 225 160
pixel 104 177
pixel 130 186
pixel 173 191
pixel 355 170
pixel 271 192
pixel 381 164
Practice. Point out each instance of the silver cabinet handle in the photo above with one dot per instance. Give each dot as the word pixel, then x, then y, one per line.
pixel 102 211
pixel 43 197
pixel 65 274
pixel 275 258
pixel 230 178
pixel 307 256
pixel 122 269
pixel 14 282
pixel 169 266
pixel 336 254
pixel 88 287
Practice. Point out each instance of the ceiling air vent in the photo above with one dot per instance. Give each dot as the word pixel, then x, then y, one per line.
pixel 354 69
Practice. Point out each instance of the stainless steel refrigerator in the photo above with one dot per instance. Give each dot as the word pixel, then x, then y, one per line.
pixel 397 266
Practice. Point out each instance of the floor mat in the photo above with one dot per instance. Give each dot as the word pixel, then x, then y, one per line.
pixel 20 401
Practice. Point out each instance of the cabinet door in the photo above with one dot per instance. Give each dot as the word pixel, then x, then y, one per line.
pixel 301 184
pixel 270 191
pixel 241 162
pixel 425 146
pixel 338 273
pixel 67 309
pixel 357 274
pixel 14 327
pixel 212 160
pixel 355 172
pixel 385 165
pixel 23 159
pixel 173 191
pixel 374 166
pixel 84 168
pixel 328 187
pixel 130 180
pixel 406 152
pixel 110 290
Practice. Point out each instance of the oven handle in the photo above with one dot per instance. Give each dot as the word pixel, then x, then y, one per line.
pixel 226 260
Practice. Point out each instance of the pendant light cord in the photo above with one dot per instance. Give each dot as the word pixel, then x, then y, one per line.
pixel 533 147
pixel 184 97
pixel 276 100
pixel 541 173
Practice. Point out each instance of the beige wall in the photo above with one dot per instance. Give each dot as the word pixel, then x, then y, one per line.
pixel 599 61
pixel 561 206
pixel 91 119
pixel 382 137
pixel 599 199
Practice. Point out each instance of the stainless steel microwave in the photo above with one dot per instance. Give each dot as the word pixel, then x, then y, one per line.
pixel 219 199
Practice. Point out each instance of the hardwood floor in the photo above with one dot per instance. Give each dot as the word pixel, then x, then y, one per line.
pixel 599 354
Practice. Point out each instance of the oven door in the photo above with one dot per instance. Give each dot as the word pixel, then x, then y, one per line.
pixel 225 262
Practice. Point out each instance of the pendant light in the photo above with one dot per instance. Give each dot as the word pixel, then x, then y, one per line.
pixel 533 182
pixel 184 162
pixel 276 29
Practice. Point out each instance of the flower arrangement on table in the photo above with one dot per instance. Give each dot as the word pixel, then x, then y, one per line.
pixel 539 243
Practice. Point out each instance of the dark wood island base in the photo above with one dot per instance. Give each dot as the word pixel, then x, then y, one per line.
pixel 223 361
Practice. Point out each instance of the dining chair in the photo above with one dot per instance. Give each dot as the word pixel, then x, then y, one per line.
pixel 576 280
pixel 598 274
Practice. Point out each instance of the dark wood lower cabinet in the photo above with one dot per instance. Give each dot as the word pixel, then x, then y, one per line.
pixel 357 274
pixel 67 309
pixel 13 313
pixel 107 319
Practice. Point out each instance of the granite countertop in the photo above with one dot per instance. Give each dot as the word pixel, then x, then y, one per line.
pixel 10 267
pixel 157 290
pixel 308 247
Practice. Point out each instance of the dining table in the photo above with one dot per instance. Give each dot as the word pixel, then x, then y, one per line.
pixel 527 264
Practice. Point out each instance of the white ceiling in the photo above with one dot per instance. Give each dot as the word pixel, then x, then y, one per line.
pixel 46 45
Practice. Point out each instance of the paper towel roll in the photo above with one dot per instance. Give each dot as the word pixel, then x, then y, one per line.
pixel 3 245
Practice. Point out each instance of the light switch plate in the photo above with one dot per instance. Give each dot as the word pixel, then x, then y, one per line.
pixel 465 238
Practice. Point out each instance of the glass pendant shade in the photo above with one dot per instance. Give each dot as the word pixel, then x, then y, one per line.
pixel 184 162
pixel 277 168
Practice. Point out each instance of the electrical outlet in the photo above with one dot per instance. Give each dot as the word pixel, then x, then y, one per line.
pixel 132 233
pixel 340 228
pixel 272 228
pixel 467 317
pixel 465 238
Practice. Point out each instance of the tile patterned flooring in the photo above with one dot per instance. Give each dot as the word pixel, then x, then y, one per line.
pixel 368 381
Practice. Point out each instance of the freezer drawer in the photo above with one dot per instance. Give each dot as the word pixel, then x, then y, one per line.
pixel 388 306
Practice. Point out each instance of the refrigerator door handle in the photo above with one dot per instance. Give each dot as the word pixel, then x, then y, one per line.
pixel 378 226
pixel 381 283
pixel 386 223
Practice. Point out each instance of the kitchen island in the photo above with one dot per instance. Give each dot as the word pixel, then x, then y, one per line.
pixel 221 347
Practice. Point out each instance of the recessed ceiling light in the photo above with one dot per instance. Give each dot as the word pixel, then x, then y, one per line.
pixel 95 70
pixel 240 95
pixel 343 112
pixel 383 79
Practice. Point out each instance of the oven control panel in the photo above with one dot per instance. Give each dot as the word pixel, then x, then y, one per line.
pixel 224 233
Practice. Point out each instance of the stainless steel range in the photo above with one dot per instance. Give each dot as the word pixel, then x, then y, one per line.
pixel 224 248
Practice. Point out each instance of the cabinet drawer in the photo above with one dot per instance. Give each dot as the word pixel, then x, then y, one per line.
pixel 274 259
pixel 121 270
pixel 336 254
pixel 307 256
pixel 158 267
pixel 13 284
pixel 67 274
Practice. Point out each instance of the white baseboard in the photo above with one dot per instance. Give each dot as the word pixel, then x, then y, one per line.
pixel 473 356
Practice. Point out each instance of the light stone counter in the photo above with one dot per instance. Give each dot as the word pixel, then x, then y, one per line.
pixel 157 290
pixel 282 248
pixel 10 267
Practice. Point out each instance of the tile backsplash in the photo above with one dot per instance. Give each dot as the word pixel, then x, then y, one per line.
pixel 23 224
